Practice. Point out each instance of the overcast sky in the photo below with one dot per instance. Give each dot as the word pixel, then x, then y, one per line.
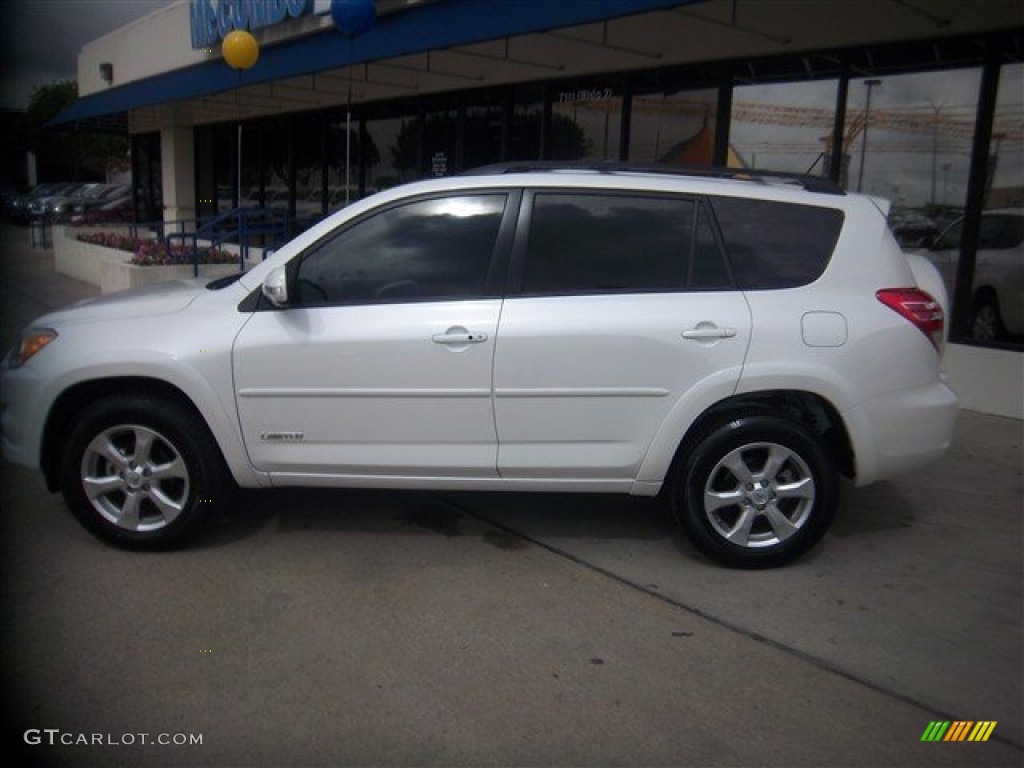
pixel 40 39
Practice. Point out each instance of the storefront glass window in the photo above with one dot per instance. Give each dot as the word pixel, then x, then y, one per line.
pixel 440 144
pixel 1007 160
pixel 146 174
pixel 391 157
pixel 225 158
pixel 252 139
pixel 275 168
pixel 908 139
pixel 783 127
pixel 206 183
pixel 997 295
pixel 308 152
pixel 524 133
pixel 481 136
pixel 676 128
pixel 1007 172
pixel 585 124
pixel 359 152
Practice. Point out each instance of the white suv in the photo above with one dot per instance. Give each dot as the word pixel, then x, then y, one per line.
pixel 733 343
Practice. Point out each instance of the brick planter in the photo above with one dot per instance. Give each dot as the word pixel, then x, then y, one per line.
pixel 82 261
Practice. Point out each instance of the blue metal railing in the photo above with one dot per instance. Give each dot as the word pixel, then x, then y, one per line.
pixel 246 227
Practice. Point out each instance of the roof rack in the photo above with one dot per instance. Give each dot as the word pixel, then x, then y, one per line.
pixel 808 183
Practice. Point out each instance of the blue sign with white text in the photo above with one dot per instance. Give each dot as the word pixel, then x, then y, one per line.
pixel 211 20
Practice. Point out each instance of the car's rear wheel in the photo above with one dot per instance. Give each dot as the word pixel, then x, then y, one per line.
pixel 142 473
pixel 756 492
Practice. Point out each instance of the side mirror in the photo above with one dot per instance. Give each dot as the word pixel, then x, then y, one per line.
pixel 275 287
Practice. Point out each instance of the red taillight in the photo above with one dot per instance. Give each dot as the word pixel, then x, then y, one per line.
pixel 918 307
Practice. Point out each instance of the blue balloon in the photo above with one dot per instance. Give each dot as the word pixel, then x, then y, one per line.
pixel 353 17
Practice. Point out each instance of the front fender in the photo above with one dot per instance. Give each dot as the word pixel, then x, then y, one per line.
pixel 195 363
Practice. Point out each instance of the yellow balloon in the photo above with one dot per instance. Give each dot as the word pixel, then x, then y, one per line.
pixel 240 49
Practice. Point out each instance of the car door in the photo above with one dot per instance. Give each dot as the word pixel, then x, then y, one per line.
pixel 620 305
pixel 381 365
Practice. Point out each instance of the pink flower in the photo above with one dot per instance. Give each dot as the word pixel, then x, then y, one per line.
pixel 149 253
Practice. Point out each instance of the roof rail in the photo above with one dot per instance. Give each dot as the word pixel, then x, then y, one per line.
pixel 809 183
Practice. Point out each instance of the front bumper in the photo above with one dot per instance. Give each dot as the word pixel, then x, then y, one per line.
pixel 21 423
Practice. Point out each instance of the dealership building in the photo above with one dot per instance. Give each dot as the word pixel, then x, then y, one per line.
pixel 917 101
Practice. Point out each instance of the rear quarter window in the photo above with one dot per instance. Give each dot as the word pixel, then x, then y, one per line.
pixel 773 245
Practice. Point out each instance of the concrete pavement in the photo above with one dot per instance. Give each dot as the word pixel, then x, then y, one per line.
pixel 28 284
pixel 358 628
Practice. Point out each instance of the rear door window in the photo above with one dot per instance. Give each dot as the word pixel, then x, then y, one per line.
pixel 584 243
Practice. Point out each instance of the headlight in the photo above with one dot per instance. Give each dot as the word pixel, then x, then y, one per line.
pixel 32 341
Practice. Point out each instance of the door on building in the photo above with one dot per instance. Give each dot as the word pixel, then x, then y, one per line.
pixel 148 177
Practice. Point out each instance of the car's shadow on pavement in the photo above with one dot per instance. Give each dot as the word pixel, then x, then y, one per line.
pixel 504 515
pixel 510 520
pixel 880 507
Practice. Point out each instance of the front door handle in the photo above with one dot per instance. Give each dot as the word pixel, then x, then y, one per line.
pixel 705 332
pixel 459 337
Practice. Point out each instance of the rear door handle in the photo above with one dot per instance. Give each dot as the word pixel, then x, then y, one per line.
pixel 704 332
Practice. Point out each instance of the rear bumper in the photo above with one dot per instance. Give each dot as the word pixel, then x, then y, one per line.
pixel 901 431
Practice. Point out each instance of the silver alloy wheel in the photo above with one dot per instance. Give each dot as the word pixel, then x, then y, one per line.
pixel 984 326
pixel 135 478
pixel 759 495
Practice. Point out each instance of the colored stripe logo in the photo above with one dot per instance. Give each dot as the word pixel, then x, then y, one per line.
pixel 958 730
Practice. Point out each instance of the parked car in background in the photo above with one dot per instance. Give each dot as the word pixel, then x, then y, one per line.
pixel 733 341
pixel 18 206
pixel 914 232
pixel 48 206
pixel 99 197
pixel 59 208
pixel 7 196
pixel 117 209
pixel 997 294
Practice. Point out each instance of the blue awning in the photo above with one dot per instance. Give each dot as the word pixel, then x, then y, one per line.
pixel 439 25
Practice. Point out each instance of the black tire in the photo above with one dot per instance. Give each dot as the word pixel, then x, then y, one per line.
pixel 156 472
pixel 756 492
pixel 986 321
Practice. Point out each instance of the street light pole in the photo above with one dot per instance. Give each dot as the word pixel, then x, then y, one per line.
pixel 864 135
pixel 936 108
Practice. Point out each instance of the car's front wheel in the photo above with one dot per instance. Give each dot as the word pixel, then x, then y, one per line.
pixel 756 492
pixel 142 473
